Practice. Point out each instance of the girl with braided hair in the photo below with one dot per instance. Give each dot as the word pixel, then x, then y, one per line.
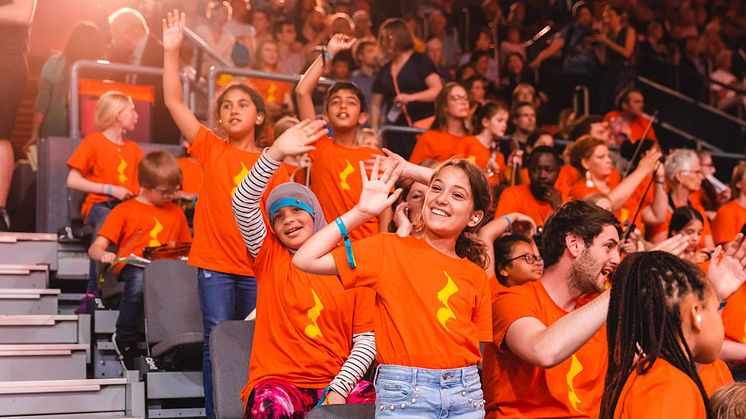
pixel 663 317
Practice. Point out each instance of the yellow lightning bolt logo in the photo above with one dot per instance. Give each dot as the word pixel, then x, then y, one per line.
pixel 312 330
pixel 575 368
pixel 348 170
pixel 444 313
pixel 154 233
pixel 271 93
pixel 239 177
pixel 120 170
pixel 472 159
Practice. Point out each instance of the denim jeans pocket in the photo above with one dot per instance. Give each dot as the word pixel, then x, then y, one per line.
pixel 393 391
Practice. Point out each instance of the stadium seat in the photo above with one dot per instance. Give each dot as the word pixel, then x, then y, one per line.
pixel 230 348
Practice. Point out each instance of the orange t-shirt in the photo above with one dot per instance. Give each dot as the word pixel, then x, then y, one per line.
pixel 580 190
pixel 335 179
pixel 473 150
pixel 191 174
pixel 734 316
pixel 728 222
pixel 490 370
pixel 218 245
pixel 102 161
pixel 636 127
pixel 134 225
pixel 663 392
pixel 572 389
pixel 714 376
pixel 432 310
pixel 273 92
pixel 519 199
pixel 436 145
pixel 566 179
pixel 304 322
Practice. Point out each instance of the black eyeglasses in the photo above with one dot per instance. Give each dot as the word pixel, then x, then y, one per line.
pixel 530 258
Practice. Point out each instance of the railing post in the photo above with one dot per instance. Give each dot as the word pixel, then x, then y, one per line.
pixel 74 102
pixel 212 81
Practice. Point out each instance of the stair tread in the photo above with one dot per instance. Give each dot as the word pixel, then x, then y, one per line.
pixel 58 386
pixel 10 237
pixel 34 319
pixel 42 346
pixel 9 292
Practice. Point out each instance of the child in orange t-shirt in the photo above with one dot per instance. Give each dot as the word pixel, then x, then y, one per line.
pixel 227 287
pixel 105 165
pixel 442 141
pixel 335 160
pixel 432 306
pixel 149 220
pixel 663 317
pixel 482 149
pixel 313 340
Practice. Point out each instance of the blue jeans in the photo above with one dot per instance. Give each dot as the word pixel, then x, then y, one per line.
pixel 131 305
pixel 408 392
pixel 96 217
pixel 222 297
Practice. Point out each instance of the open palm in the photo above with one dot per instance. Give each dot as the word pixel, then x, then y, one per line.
pixel 173 30
pixel 297 139
pixel 375 196
pixel 727 271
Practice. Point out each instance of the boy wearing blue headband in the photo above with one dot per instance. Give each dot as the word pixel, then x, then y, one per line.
pixel 313 340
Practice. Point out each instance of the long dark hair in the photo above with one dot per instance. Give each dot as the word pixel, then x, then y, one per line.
pixel 441 108
pixel 503 248
pixel 467 245
pixel 681 217
pixel 644 320
pixel 84 43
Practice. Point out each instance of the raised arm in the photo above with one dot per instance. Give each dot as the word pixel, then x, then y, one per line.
pixel 648 164
pixel 307 84
pixel 315 255
pixel 295 141
pixel 496 228
pixel 547 52
pixel 173 36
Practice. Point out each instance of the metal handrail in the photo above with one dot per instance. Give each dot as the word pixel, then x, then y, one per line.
pixel 111 67
pixel 216 71
pixel 204 47
pixel 400 129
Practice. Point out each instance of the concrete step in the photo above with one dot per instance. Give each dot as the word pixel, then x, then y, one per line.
pixel 43 362
pixel 70 397
pixel 29 301
pixel 29 249
pixel 45 328
pixel 104 415
pixel 24 276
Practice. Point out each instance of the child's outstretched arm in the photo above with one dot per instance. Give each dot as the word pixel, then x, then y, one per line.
pixel 496 228
pixel 173 36
pixel 307 84
pixel 315 255
pixel 295 141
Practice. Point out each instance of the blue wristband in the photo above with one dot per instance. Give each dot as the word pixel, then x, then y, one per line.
pixel 508 220
pixel 348 244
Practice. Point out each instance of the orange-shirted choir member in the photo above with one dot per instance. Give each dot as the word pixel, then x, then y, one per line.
pixel 731 217
pixel 630 118
pixel 226 285
pixel 443 139
pixel 684 175
pixel 149 220
pixel 490 122
pixel 335 166
pixel 564 379
pixel 277 94
pixel 310 332
pixel 650 287
pixel 191 172
pixel 105 165
pixel 714 376
pixel 539 198
pixel 664 391
pixel 430 315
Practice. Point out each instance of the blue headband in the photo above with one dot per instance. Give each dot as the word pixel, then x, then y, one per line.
pixel 289 202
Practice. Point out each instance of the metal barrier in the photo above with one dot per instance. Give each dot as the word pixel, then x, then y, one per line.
pixel 215 71
pixel 113 68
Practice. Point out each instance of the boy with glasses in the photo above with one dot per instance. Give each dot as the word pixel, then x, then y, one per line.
pixel 149 220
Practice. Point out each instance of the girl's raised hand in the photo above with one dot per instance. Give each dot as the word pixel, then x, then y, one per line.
pixel 674 245
pixel 297 139
pixel 727 270
pixel 340 42
pixel 173 30
pixel 375 195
